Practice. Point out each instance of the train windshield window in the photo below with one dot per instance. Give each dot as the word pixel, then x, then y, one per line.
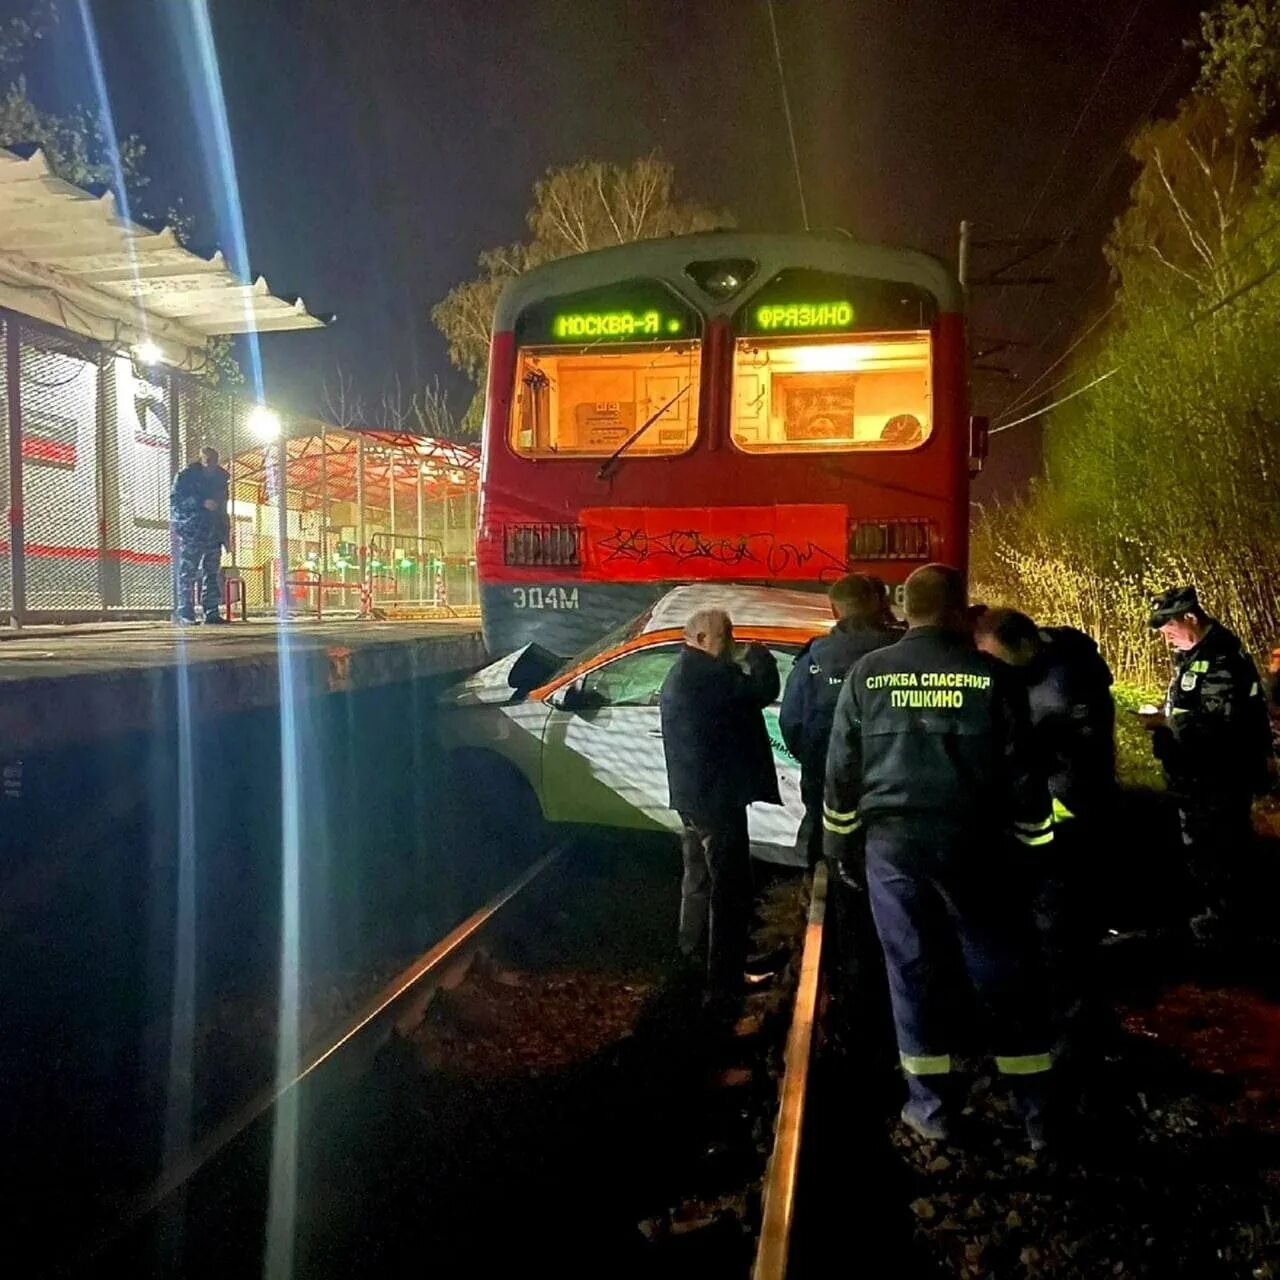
pixel 815 395
pixel 589 401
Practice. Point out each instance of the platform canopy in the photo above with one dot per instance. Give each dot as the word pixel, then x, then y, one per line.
pixel 69 257
pixel 329 462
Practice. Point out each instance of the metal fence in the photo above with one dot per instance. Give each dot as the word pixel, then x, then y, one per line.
pixel 90 441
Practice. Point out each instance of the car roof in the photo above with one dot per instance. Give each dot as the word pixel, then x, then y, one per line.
pixel 748 606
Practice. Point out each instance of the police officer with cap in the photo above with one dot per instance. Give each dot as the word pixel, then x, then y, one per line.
pixel 932 786
pixel 1213 740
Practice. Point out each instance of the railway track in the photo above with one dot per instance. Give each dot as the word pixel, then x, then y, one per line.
pixel 349 1047
pixel 773 1252
pixel 411 1018
pixel 518 1091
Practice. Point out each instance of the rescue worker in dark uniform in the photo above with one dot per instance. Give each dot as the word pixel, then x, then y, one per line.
pixel 198 513
pixel 931 786
pixel 860 605
pixel 809 703
pixel 719 760
pixel 1073 720
pixel 1214 742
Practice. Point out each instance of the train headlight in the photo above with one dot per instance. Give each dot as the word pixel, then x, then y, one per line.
pixel 722 277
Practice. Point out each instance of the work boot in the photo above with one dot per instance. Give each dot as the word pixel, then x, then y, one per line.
pixel 214 620
pixel 925 1112
pixel 1032 1096
pixel 185 617
pixel 931 1128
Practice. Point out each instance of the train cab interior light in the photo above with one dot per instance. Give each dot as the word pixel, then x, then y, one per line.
pixel 148 353
pixel 831 394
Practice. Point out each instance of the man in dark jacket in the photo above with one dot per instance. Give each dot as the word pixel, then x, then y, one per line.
pixel 198 513
pixel 809 703
pixel 718 762
pixel 931 782
pixel 1073 722
pixel 1214 742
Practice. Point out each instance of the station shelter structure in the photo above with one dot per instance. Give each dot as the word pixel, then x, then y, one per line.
pixel 105 336
pixel 378 521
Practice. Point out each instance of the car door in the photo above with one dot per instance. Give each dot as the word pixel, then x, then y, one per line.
pixel 603 762
pixel 602 749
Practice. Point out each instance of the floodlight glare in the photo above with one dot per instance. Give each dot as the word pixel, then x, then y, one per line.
pixel 264 423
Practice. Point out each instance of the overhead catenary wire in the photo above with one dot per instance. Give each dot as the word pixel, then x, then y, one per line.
pixel 786 111
pixel 1104 176
pixel 1225 301
pixel 1075 129
pixel 1030 392
pixel 1026 397
pixel 1079 391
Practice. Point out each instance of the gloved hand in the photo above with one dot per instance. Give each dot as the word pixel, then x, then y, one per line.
pixel 846 857
pixel 850 870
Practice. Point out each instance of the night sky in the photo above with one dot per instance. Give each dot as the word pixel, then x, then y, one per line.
pixel 381 144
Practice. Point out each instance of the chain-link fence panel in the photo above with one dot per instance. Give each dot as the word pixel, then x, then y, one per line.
pixel 61 407
pixel 137 471
pixel 101 439
pixel 6 502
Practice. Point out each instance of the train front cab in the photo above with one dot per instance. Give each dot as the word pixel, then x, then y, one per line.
pixel 643 431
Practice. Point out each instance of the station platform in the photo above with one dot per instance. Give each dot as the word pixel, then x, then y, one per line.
pixel 64 685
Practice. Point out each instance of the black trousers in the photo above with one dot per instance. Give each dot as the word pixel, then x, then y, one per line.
pixel 1217 833
pixel 715 896
pixel 930 889
pixel 809 836
pixel 199 561
pixel 1065 907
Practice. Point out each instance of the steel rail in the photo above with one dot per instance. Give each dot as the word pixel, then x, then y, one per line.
pixel 433 964
pixel 774 1247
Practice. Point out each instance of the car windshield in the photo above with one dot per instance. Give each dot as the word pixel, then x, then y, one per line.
pixel 627 631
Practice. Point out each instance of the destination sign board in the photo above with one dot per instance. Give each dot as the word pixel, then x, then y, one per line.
pixel 626 312
pixel 780 316
pixel 571 325
pixel 800 301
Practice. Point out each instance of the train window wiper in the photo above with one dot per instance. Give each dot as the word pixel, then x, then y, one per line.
pixel 606 467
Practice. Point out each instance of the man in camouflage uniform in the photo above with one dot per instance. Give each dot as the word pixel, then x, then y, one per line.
pixel 1213 740
pixel 198 513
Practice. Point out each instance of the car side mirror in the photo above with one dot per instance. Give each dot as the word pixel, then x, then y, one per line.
pixel 979 441
pixel 569 698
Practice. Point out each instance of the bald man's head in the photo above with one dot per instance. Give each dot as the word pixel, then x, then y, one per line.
pixel 935 597
pixel 710 630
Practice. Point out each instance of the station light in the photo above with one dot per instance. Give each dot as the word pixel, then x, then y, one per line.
pixel 264 423
pixel 147 353
pixel 405 562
